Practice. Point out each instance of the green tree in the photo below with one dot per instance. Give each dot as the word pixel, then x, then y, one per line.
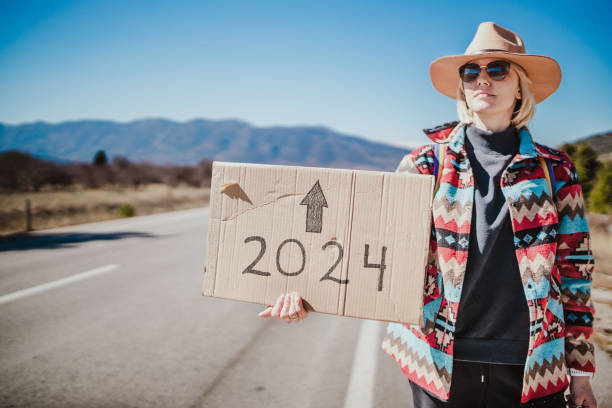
pixel 100 158
pixel 601 195
pixel 570 149
pixel 585 160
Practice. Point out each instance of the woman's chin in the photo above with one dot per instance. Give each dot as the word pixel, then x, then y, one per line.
pixel 482 107
pixel 485 109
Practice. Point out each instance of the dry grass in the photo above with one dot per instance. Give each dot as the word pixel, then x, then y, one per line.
pixel 605 157
pixel 76 206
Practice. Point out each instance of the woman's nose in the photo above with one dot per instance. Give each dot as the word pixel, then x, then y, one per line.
pixel 483 78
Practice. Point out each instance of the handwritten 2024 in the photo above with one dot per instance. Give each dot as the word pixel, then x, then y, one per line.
pixel 328 276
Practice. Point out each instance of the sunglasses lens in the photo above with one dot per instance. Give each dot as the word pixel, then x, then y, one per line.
pixel 498 70
pixel 469 72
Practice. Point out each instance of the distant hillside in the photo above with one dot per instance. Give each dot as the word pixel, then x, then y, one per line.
pixel 601 142
pixel 164 141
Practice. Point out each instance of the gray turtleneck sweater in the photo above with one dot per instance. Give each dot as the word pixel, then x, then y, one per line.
pixel 493 319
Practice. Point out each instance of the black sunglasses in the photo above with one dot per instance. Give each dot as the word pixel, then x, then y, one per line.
pixel 496 70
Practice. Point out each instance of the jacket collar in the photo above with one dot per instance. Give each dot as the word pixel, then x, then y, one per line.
pixel 529 149
pixel 453 134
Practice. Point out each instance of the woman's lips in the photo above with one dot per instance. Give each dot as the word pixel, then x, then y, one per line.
pixel 482 94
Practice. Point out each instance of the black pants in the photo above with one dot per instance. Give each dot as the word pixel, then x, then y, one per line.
pixel 484 385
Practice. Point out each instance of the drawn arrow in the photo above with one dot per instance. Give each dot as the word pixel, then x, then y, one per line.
pixel 315 201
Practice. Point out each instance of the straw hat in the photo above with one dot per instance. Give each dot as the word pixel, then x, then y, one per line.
pixel 494 41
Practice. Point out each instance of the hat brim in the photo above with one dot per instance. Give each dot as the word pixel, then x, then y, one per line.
pixel 544 72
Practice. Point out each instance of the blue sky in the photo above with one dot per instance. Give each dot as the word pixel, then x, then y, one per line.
pixel 357 67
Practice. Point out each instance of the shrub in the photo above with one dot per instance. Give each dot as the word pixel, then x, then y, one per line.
pixel 127 210
pixel 601 195
pixel 20 171
pixel 587 164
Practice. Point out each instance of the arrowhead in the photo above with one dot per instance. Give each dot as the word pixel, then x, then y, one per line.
pixel 315 196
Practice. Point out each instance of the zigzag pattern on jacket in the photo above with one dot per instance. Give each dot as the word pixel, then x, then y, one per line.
pixel 552 248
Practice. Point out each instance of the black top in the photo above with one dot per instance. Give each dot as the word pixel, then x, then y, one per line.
pixel 493 318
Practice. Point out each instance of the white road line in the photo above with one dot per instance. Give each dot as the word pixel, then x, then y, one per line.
pixel 360 393
pixel 56 284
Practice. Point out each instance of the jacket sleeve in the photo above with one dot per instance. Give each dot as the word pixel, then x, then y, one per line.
pixel 575 262
pixel 419 161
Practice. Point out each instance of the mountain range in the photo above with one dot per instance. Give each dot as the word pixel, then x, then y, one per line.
pixel 601 142
pixel 165 141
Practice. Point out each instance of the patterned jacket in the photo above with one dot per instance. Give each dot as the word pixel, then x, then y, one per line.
pixel 551 242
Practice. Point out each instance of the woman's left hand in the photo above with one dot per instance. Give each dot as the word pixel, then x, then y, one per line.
pixel 581 393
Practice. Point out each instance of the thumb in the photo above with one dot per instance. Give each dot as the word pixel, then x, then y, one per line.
pixel 266 312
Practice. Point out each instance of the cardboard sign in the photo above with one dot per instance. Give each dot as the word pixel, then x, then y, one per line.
pixel 350 242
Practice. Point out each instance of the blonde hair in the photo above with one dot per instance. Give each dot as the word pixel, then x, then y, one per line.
pixel 524 107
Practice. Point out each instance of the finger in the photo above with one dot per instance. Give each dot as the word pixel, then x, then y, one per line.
pixel 297 315
pixel 578 400
pixel 297 302
pixel 287 302
pixel 302 310
pixel 285 309
pixel 277 306
pixel 299 309
pixel 266 312
pixel 292 312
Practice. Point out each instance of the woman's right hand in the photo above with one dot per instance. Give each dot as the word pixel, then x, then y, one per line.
pixel 288 307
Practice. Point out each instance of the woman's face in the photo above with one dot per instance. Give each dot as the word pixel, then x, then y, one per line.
pixel 487 97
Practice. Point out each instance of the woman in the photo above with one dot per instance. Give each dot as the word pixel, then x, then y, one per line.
pixel 507 312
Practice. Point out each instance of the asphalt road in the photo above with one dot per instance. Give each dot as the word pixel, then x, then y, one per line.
pixel 122 322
